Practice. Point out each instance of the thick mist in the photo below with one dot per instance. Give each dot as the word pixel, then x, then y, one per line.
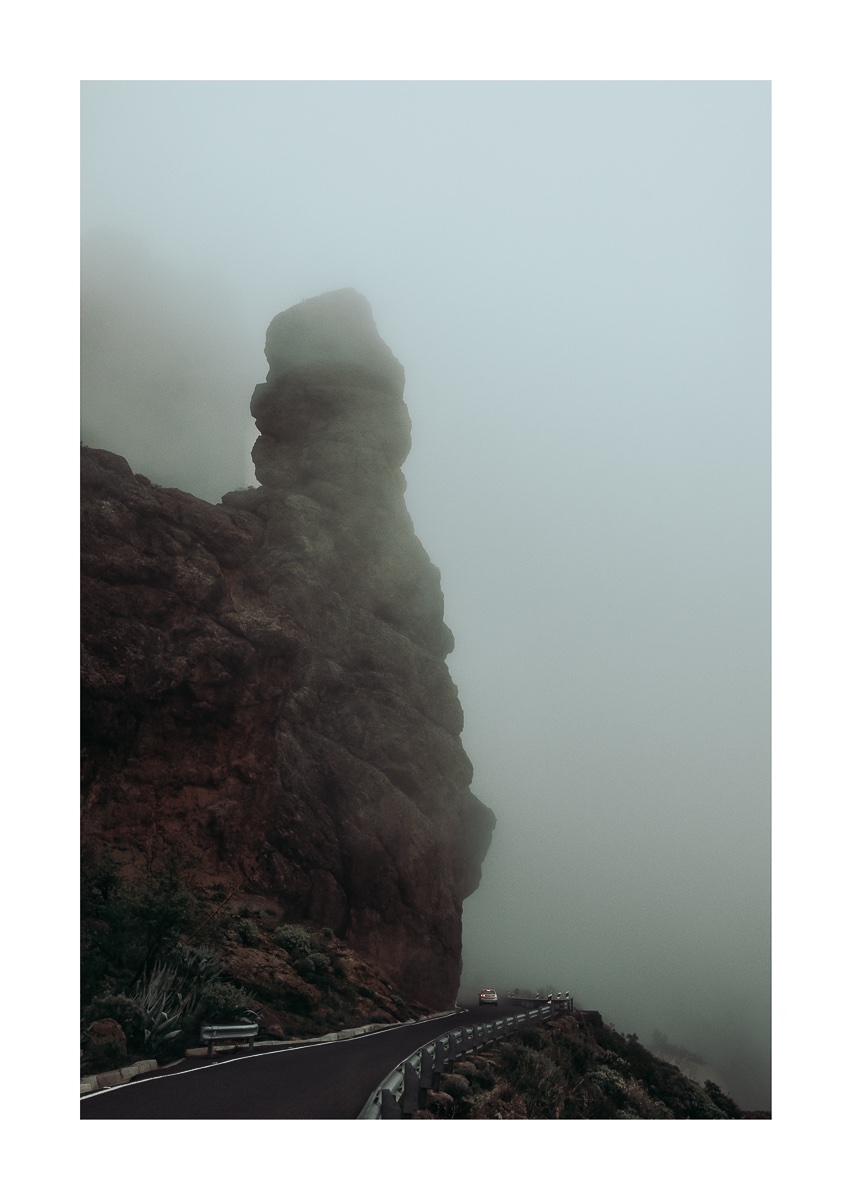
pixel 575 277
pixel 163 368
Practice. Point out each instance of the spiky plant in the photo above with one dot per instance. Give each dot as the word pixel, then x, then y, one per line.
pixel 168 1004
pixel 198 964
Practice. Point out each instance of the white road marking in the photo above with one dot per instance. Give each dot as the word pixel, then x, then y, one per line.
pixel 115 1087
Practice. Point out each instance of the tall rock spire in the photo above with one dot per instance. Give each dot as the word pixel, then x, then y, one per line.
pixel 306 649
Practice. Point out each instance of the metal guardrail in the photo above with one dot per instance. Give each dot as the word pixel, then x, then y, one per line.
pixel 227 1033
pixel 403 1090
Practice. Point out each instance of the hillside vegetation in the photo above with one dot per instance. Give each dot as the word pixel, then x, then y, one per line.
pixel 575 1068
pixel 161 953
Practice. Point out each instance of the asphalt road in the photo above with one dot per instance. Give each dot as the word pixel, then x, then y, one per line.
pixel 328 1081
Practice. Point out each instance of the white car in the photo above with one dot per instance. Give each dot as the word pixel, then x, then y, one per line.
pixel 488 996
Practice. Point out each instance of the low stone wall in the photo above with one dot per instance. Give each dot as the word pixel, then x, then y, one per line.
pixel 94 1083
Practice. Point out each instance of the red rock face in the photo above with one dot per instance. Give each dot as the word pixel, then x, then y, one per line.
pixel 264 679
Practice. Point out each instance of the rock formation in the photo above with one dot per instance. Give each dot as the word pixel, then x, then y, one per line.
pixel 264 679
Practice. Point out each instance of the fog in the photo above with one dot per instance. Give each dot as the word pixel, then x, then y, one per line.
pixel 575 277
pixel 161 366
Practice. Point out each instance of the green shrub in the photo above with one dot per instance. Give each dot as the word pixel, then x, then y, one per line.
pixel 127 1011
pixel 247 932
pixel 724 1103
pixel 294 939
pixel 305 959
pixel 226 1003
pixel 482 1079
pixel 170 1002
pixel 99 882
pixel 101 1058
pixel 535 1078
pixel 455 1085
pixel 163 905
pixel 127 925
pixel 195 964
pixel 610 1082
pixel 316 962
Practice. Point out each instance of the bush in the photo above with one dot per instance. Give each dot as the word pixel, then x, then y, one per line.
pixel 458 1089
pixel 294 939
pixel 127 1011
pixel 483 1079
pixel 455 1085
pixel 611 1083
pixel 247 932
pixel 163 905
pixel 315 962
pixel 226 1003
pixel 99 882
pixel 305 959
pixel 102 1058
pixel 127 925
pixel 696 1105
pixel 195 964
pixel 535 1078
pixel 722 1102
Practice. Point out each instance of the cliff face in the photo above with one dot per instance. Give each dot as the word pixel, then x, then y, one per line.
pixel 264 679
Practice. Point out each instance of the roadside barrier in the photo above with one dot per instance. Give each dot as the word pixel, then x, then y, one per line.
pixel 227 1033
pixel 403 1090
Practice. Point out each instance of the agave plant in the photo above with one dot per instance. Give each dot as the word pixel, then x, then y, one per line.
pixel 198 964
pixel 169 992
pixel 168 1004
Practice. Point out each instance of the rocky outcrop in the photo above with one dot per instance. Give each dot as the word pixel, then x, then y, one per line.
pixel 264 679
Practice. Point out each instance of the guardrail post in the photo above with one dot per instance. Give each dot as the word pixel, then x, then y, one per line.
pixel 437 1065
pixel 410 1090
pixel 390 1106
pixel 453 1050
pixel 427 1075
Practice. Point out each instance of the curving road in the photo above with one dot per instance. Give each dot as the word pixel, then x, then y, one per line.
pixel 328 1081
